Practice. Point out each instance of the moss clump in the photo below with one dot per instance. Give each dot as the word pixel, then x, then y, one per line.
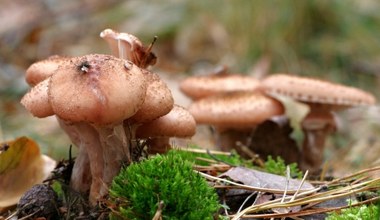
pixel 233 159
pixel 167 178
pixel 363 212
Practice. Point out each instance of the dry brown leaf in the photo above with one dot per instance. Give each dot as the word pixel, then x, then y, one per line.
pixel 21 166
pixel 263 180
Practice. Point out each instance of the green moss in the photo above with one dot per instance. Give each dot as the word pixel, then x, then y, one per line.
pixel 275 166
pixel 232 159
pixel 57 187
pixel 278 167
pixel 363 212
pixel 168 178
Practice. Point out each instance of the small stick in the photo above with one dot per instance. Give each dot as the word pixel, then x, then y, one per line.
pixel 204 151
pixel 158 214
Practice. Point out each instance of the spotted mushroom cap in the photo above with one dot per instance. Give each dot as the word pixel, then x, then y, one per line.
pixel 96 88
pixel 158 99
pixel 177 123
pixel 41 70
pixel 310 90
pixel 197 87
pixel 239 109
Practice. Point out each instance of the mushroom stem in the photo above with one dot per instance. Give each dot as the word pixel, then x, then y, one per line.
pixel 81 181
pixel 88 167
pixel 158 145
pixel 317 125
pixel 235 139
pixel 90 142
pixel 116 151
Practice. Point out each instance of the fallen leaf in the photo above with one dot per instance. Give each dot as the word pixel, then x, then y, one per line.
pixel 265 180
pixel 236 197
pixel 21 166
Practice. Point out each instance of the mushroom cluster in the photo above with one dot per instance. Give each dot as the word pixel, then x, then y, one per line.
pixel 109 107
pixel 241 103
pixel 233 105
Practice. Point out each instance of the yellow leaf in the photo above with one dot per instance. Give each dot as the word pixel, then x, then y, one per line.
pixel 21 166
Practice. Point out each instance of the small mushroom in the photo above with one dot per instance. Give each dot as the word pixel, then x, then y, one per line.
pixel 197 87
pixel 239 110
pixel 323 98
pixel 177 123
pixel 127 46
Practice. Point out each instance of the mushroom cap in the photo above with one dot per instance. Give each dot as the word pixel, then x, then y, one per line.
pixel 238 109
pixel 128 46
pixel 96 88
pixel 158 99
pixel 197 87
pixel 310 90
pixel 36 101
pixel 41 70
pixel 177 123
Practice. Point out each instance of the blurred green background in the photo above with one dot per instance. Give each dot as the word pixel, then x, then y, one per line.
pixel 334 40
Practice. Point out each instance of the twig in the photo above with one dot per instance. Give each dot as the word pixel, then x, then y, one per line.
pixel 204 151
pixel 307 212
pixel 318 197
pixel 158 214
pixel 300 186
pixel 245 201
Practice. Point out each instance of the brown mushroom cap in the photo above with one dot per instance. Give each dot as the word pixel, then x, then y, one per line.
pixel 158 100
pixel 197 87
pixel 240 109
pixel 177 123
pixel 96 88
pixel 311 90
pixel 41 70
pixel 36 101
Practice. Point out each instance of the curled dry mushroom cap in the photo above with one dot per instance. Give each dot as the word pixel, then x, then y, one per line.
pixel 127 46
pixel 99 89
pixel 197 87
pixel 316 91
pixel 41 70
pixel 240 109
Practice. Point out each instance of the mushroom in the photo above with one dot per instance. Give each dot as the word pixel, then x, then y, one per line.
pixel 38 103
pixel 238 110
pixel 177 123
pixel 99 92
pixel 197 87
pixel 41 70
pixel 323 98
pixel 127 46
pixel 158 100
